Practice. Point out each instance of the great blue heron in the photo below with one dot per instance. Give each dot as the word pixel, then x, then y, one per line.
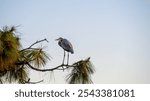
pixel 67 46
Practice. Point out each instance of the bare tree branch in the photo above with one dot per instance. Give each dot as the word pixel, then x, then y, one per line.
pixel 38 42
pixel 29 82
pixel 30 47
pixel 51 69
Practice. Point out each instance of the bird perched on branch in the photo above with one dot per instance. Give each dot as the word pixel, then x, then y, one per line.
pixel 67 46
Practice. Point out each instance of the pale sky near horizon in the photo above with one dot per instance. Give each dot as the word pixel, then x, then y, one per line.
pixel 114 33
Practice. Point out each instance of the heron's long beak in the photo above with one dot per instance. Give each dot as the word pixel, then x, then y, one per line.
pixel 58 39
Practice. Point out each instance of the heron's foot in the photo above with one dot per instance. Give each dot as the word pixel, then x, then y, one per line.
pixel 63 67
pixel 67 64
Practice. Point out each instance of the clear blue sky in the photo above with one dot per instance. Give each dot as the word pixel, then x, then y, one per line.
pixel 114 33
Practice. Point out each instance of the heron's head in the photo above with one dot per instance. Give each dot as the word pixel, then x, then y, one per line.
pixel 60 38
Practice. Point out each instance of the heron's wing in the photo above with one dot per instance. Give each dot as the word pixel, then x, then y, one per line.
pixel 66 45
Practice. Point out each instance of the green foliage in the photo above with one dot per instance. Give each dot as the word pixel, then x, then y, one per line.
pixel 9 48
pixel 81 72
pixel 16 75
pixel 14 61
pixel 37 57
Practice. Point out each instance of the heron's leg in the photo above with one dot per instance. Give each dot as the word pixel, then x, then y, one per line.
pixel 68 59
pixel 63 60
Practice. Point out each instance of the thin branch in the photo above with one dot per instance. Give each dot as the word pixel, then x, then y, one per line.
pixel 34 82
pixel 30 47
pixel 29 82
pixel 38 42
pixel 51 69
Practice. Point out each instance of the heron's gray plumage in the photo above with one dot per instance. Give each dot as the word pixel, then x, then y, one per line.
pixel 67 46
